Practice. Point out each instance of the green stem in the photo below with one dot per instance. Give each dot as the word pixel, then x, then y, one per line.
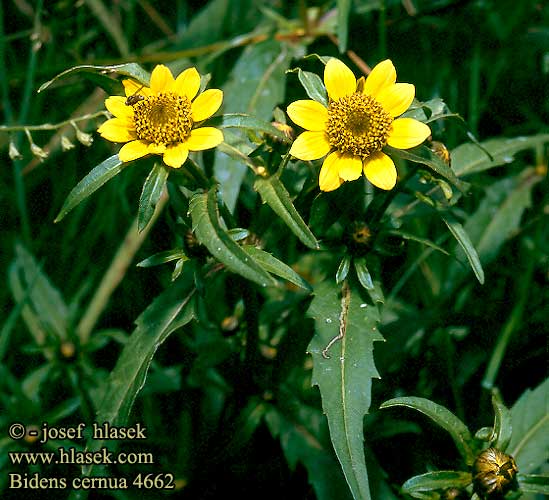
pixel 4 87
pixel 116 272
pixel 474 90
pixel 382 31
pixel 52 126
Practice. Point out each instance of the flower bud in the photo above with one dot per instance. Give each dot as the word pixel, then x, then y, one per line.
pixel 494 474
pixel 84 138
pixel 66 144
pixel 13 152
pixel 38 152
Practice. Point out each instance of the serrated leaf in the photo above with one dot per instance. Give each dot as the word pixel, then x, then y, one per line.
pixel 300 443
pixel 274 193
pixel 150 194
pixel 436 480
pixel 343 269
pixel 343 10
pixel 102 173
pixel 469 158
pixel 529 443
pixel 461 236
pixel 503 424
pixel 532 483
pixel 163 258
pixel 247 122
pixel 256 85
pixel 422 154
pixel 171 310
pixel 344 379
pixel 132 70
pixel 274 266
pixel 206 226
pixel 313 85
pixel 443 417
pixel 45 310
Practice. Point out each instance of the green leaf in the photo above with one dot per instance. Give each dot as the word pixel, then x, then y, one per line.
pixel 313 85
pixel 163 258
pixel 503 425
pixel 301 441
pixel 343 9
pixel 531 483
pixel 344 379
pixel 443 417
pixel 152 190
pixel 343 269
pixel 274 193
pixel 363 274
pixel 422 154
pixel 469 158
pixel 132 70
pixel 436 480
pixel 206 225
pixel 44 310
pixel 530 440
pixel 171 310
pixel 102 173
pixel 465 242
pixel 247 122
pixel 500 212
pixel 255 86
pixel 413 237
pixel 275 266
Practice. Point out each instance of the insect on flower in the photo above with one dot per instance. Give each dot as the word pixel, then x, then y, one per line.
pixel 135 97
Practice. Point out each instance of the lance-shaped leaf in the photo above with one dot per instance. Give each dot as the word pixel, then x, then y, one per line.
pixel 275 266
pixel 102 173
pixel 443 417
pixel 171 310
pixel 466 244
pixel 152 190
pixel 208 230
pixel 418 486
pixel 313 85
pixel 530 440
pixel 274 193
pixel 503 424
pixel 345 377
pixel 247 122
pixel 132 70
pixel 343 9
pixel 422 154
pixel 469 158
pixel 163 258
pixel 533 483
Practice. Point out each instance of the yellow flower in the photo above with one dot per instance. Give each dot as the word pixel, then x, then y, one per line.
pixel 161 119
pixel 358 122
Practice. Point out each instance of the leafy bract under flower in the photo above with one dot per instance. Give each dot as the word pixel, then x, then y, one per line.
pixel 161 119
pixel 361 118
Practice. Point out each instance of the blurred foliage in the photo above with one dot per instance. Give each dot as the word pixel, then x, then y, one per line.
pixel 215 366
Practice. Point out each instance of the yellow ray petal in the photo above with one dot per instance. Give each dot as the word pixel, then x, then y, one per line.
pixel 349 167
pixel 175 156
pixel 116 106
pixel 156 149
pixel 406 133
pixel 133 150
pixel 204 138
pixel 310 146
pixel 161 79
pixel 339 79
pixel 132 87
pixel 206 104
pixel 396 98
pixel 310 115
pixel 187 83
pixel 328 179
pixel 383 75
pixel 380 170
pixel 116 130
